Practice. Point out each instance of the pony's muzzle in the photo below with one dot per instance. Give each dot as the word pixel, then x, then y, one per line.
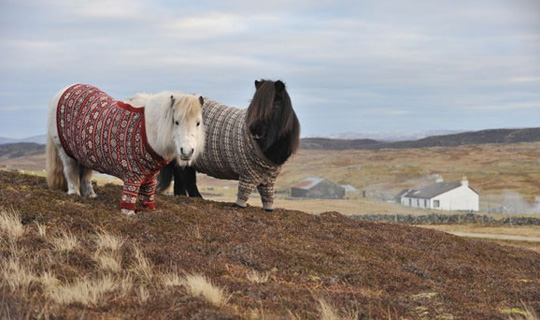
pixel 185 154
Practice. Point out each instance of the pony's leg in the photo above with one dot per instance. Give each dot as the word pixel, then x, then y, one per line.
pixel 146 194
pixel 87 190
pixel 244 190
pixel 165 176
pixel 189 177
pixel 267 196
pixel 129 196
pixel 71 172
pixel 179 181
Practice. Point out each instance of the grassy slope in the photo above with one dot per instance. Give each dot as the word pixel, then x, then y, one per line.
pixel 374 270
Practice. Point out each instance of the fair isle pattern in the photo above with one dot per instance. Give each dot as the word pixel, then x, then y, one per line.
pixel 231 153
pixel 109 136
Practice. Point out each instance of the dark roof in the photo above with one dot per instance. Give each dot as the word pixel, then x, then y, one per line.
pixel 433 190
pixel 308 183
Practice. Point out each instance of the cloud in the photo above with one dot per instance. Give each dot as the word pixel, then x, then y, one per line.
pixel 524 79
pixel 9 108
pixel 100 9
pixel 354 62
pixel 509 106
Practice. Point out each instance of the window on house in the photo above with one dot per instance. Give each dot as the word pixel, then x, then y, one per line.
pixel 436 204
pixel 425 203
pixel 410 202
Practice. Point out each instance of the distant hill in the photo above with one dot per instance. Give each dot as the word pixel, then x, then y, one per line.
pixel 337 144
pixel 17 150
pixel 7 140
pixel 390 136
pixel 451 140
pixel 15 146
pixel 41 139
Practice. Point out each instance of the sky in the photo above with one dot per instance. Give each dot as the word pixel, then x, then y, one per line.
pixel 350 66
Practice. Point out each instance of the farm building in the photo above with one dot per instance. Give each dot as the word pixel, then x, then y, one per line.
pixel 318 188
pixel 458 196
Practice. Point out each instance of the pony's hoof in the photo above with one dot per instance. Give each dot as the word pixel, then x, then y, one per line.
pixel 128 212
pixel 237 206
pixel 268 210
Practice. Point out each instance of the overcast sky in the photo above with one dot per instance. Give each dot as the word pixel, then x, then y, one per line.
pixel 349 66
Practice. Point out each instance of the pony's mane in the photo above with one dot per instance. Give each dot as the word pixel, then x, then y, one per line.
pixel 261 106
pixel 187 106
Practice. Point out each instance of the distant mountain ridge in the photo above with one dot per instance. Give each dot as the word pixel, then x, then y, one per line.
pixel 389 136
pixel 31 144
pixel 23 149
pixel 451 140
pixel 41 139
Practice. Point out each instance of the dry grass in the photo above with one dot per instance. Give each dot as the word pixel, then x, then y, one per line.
pixel 108 252
pixel 329 312
pixel 41 229
pixel 532 231
pixel 10 224
pixel 17 275
pixel 525 313
pixel 65 241
pixel 109 260
pixel 199 286
pixel 258 277
pixel 48 280
pixel 171 279
pixel 143 295
pixel 107 241
pixel 143 267
pixel 86 291
pixel 125 285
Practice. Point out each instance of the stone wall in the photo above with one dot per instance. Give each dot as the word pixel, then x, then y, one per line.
pixel 438 218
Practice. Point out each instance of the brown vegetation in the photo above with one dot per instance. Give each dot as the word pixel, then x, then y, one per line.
pixel 285 265
pixel 491 169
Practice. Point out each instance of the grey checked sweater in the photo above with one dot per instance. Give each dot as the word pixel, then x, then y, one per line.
pixel 230 153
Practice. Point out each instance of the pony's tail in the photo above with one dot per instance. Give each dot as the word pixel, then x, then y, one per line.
pixel 54 166
pixel 165 176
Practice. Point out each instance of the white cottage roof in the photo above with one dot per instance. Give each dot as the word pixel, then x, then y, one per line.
pixel 433 190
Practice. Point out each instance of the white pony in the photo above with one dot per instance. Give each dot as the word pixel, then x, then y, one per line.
pixel 88 130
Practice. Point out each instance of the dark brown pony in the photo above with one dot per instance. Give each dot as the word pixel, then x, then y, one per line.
pixel 272 124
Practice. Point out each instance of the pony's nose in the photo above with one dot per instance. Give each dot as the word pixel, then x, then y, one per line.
pixel 186 155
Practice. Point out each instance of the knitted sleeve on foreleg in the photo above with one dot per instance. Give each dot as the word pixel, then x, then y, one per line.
pixel 147 191
pixel 267 195
pixel 244 190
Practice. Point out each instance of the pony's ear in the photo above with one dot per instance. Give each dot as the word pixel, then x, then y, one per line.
pixel 172 101
pixel 258 84
pixel 280 86
pixel 201 100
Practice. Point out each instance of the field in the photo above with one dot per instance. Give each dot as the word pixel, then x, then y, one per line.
pixel 65 257
pixel 503 174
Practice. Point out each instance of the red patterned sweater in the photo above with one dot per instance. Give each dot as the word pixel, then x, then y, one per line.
pixel 109 136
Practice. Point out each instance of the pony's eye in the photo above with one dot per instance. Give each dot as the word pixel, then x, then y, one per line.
pixel 176 123
pixel 198 124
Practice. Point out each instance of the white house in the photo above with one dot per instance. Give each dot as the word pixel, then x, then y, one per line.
pixel 457 196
